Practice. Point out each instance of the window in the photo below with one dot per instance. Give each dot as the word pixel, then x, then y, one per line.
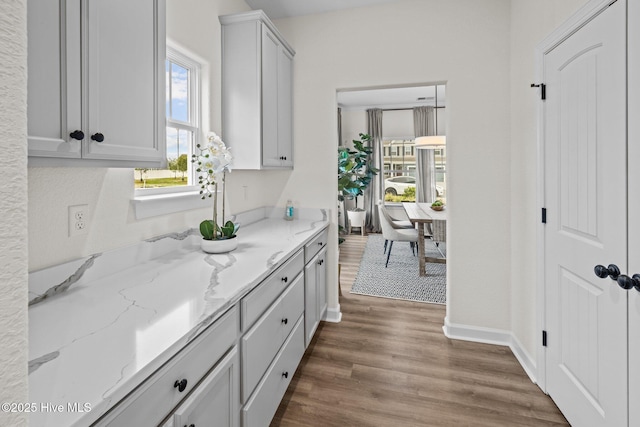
pixel 400 170
pixel 183 126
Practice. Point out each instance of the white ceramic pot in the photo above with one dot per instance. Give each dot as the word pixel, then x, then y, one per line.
pixel 219 246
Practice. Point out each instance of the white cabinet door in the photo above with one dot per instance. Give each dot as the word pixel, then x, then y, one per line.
pixel 311 318
pixel 285 107
pixel 321 283
pixel 270 113
pixel 216 400
pixel 54 101
pixel 585 196
pixel 123 59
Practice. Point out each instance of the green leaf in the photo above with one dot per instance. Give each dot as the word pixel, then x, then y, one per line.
pixel 206 229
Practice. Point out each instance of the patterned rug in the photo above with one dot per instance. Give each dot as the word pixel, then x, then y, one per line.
pixel 400 280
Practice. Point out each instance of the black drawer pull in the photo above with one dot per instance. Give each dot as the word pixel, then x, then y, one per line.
pixel 285 279
pixel 285 374
pixel 180 385
pixel 98 137
pixel 77 134
pixel 285 321
pixel 319 243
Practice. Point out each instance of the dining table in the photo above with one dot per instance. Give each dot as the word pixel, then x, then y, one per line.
pixel 420 214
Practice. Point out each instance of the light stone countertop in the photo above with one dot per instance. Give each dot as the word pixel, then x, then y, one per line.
pixel 101 325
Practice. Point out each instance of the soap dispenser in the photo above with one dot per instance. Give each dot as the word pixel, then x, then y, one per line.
pixel 288 213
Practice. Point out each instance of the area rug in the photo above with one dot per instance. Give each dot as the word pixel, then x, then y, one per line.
pixel 400 280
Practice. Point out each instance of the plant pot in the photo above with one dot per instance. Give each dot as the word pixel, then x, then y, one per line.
pixel 219 246
pixel 437 208
pixel 357 218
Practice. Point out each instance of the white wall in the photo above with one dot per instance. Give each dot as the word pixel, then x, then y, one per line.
pixel 191 23
pixel 389 45
pixel 13 209
pixel 531 22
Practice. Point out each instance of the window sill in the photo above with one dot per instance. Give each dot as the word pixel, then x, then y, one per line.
pixel 148 206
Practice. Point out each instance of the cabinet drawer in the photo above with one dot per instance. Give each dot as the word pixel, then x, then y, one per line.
pixel 261 344
pixel 314 246
pixel 263 404
pixel 156 397
pixel 254 304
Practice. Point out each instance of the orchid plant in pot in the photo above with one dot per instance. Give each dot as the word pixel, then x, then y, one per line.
pixel 213 161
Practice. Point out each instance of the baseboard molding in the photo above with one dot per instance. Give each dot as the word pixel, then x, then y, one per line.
pixel 333 315
pixel 495 337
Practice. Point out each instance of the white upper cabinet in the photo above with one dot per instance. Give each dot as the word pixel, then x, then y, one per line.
pixel 96 82
pixel 256 92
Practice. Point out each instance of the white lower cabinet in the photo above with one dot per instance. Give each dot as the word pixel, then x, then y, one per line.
pixel 216 401
pixel 261 344
pixel 315 273
pixel 264 402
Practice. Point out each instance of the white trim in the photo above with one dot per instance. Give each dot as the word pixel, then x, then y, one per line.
pixel 151 205
pixel 333 315
pixel 494 337
pixel 570 26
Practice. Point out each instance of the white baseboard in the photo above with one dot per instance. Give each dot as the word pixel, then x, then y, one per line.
pixel 333 315
pixel 492 336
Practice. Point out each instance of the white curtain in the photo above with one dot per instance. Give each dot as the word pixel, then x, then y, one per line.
pixel 424 125
pixel 374 192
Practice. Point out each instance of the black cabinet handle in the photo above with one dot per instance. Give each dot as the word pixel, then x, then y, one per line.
pixel 98 137
pixel 319 243
pixel 285 321
pixel 285 374
pixel 602 272
pixel 190 425
pixel 77 134
pixel 285 279
pixel 180 385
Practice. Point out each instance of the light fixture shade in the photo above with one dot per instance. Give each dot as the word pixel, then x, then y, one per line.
pixel 426 142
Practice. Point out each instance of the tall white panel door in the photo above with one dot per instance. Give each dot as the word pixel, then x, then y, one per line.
pixel 122 60
pixel 54 101
pixel 585 197
pixel 633 171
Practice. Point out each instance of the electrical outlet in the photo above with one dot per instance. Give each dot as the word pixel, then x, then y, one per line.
pixel 78 220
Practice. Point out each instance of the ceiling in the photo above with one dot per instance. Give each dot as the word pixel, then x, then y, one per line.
pixel 276 9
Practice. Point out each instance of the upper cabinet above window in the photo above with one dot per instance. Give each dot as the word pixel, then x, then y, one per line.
pixel 96 91
pixel 256 92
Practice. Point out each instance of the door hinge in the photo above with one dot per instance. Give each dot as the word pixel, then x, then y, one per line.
pixel 544 215
pixel 543 90
pixel 544 338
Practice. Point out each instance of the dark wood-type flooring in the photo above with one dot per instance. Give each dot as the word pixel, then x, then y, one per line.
pixel 388 363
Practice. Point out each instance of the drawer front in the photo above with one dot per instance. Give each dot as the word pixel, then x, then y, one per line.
pixel 156 397
pixel 263 404
pixel 314 246
pixel 261 344
pixel 259 299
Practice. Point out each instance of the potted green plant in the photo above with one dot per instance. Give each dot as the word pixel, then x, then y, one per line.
pixel 213 160
pixel 355 173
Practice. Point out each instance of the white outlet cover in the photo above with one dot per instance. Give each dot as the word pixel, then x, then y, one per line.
pixel 78 220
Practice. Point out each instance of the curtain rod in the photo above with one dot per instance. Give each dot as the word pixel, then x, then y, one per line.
pixel 402 109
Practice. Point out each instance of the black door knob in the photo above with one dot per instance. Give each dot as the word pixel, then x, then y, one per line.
pixel 602 272
pixel 77 134
pixel 180 385
pixel 285 279
pixel 98 137
pixel 285 374
pixel 285 321
pixel 626 282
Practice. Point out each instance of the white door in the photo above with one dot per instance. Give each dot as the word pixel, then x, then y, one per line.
pixel 585 197
pixel 633 173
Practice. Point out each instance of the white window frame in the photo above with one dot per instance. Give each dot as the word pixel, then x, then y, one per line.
pixel 148 202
